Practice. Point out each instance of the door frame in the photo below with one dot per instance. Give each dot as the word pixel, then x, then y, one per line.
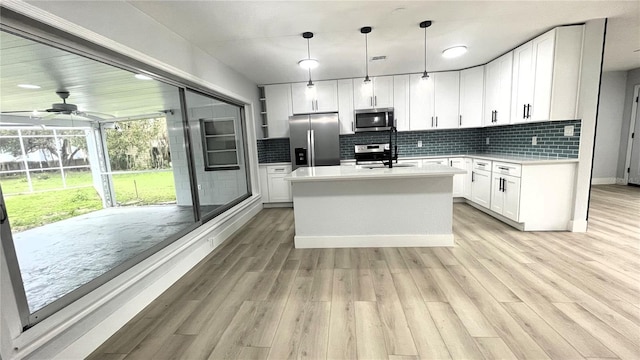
pixel 632 127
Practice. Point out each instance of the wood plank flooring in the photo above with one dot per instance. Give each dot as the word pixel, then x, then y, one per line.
pixel 499 293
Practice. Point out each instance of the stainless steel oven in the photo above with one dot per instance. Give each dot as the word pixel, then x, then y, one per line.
pixel 374 120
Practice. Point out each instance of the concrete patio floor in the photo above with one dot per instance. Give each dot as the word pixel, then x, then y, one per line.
pixel 57 258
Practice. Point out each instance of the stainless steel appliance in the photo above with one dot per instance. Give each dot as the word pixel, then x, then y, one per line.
pixel 374 120
pixel 314 140
pixel 372 153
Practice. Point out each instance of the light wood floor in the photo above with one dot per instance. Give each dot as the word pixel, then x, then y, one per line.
pixel 499 293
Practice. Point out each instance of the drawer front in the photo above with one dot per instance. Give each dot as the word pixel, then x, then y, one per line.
pixel 434 161
pixel 280 169
pixel 507 169
pixel 481 164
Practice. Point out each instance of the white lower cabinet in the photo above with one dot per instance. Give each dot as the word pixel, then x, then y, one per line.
pixel 505 189
pixel 481 183
pixel 505 196
pixel 460 179
pixel 275 189
pixel 468 166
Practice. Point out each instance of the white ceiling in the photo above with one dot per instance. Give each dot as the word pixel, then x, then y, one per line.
pixel 262 39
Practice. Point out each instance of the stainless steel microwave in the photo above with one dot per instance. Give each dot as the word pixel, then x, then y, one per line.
pixel 374 120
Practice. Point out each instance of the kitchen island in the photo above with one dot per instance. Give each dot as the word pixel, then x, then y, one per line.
pixel 351 206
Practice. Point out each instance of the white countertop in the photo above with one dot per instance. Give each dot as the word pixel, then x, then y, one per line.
pixel 326 173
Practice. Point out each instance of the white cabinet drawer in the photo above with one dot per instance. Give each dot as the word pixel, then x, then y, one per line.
pixel 279 169
pixel 434 161
pixel 481 164
pixel 507 169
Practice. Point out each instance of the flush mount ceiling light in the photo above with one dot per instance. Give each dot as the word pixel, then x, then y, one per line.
pixel 142 77
pixel 424 25
pixel 28 86
pixel 366 30
pixel 308 63
pixel 454 51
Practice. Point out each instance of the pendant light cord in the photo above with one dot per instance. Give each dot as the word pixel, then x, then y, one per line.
pixel 425 49
pixel 366 54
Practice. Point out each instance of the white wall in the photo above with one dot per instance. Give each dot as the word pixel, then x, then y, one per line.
pixel 73 332
pixel 610 112
pixel 633 79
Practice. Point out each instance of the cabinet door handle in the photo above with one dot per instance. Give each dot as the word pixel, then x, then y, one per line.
pixel 375 100
pixel 524 111
pixel 528 111
pixel 436 121
pixel 371 101
pixel 473 178
pixel 432 121
pixel 503 168
pixel 496 115
pixel 353 126
pixel 317 107
pixel 451 163
pixel 504 185
pixel 460 120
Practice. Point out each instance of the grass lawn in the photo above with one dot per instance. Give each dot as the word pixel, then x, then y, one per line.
pixel 36 209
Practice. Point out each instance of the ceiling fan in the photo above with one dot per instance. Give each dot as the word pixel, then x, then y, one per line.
pixel 65 109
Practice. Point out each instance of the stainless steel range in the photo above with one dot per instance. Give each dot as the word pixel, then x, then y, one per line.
pixel 372 153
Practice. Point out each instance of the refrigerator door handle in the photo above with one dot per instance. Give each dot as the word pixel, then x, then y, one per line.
pixel 312 147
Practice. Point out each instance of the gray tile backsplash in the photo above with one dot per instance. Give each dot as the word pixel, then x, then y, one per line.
pixel 505 140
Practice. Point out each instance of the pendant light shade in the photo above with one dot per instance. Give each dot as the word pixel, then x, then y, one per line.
pixel 424 25
pixel 366 30
pixel 308 63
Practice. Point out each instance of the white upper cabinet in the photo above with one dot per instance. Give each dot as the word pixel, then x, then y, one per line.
pixel 471 97
pixel 323 97
pixel 546 76
pixel 434 102
pixel 497 105
pixel 345 106
pixel 446 99
pixel 376 94
pixel 278 100
pixel 401 101
pixel 420 102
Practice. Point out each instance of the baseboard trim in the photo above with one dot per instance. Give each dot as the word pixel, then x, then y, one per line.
pixel 364 241
pixel 604 181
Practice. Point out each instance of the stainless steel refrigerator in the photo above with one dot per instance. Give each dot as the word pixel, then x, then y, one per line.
pixel 314 140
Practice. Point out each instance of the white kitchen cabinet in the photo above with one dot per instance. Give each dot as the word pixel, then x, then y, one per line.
pixel 497 106
pixel 468 166
pixel 412 162
pixel 505 189
pixel 420 102
pixel 279 189
pixel 458 179
pixel 546 76
pixel 376 94
pixel 434 102
pixel 401 84
pixel 438 161
pixel 345 106
pixel 264 183
pixel 481 182
pixel 278 102
pixel 446 99
pixel 471 97
pixel 505 195
pixel 323 97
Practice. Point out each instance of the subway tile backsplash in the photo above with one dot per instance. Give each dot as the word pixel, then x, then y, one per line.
pixel 503 140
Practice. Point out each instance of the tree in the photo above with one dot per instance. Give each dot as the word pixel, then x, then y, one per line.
pixel 65 150
pixel 139 145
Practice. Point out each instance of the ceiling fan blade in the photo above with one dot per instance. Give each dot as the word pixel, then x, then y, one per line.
pixel 101 116
pixel 23 111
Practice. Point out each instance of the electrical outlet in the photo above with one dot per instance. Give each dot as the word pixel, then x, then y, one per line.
pixel 419 143
pixel 487 141
pixel 568 130
pixel 199 187
pixel 534 140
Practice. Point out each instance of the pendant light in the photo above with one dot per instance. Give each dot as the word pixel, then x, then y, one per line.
pixel 366 30
pixel 425 25
pixel 308 63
